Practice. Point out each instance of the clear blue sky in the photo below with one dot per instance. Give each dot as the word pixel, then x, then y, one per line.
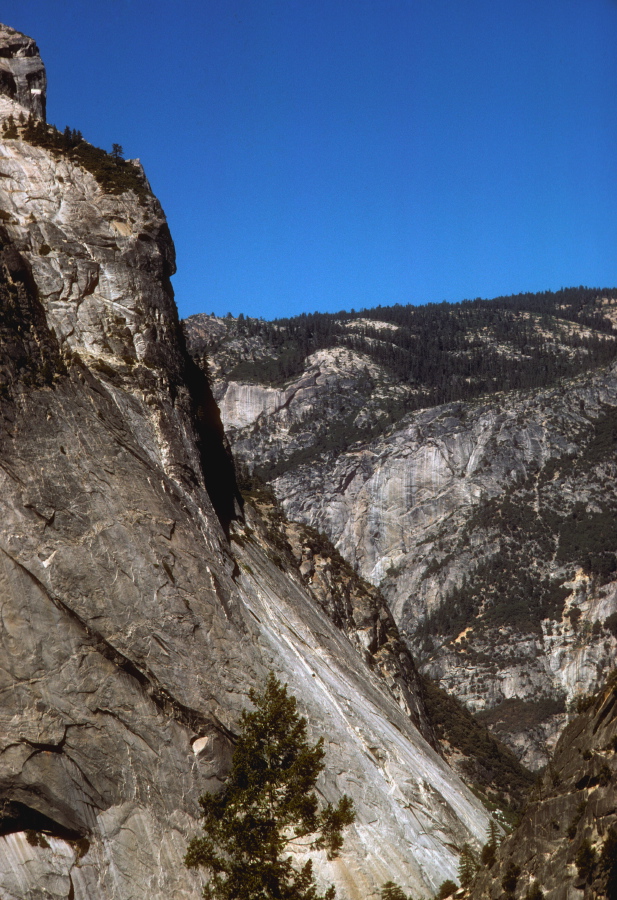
pixel 329 154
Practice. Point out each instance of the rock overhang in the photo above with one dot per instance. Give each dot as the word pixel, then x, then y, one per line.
pixel 22 72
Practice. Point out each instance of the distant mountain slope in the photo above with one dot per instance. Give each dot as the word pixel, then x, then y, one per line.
pixel 487 522
pixel 440 352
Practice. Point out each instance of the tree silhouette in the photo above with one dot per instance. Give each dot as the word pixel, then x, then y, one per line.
pixel 267 808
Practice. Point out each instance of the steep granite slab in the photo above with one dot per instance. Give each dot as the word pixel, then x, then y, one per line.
pixel 132 630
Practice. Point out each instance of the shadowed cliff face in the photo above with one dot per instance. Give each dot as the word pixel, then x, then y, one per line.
pixel 28 351
pixel 132 629
pixel 567 840
pixel 22 73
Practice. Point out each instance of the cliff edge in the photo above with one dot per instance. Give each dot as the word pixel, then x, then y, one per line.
pixel 132 628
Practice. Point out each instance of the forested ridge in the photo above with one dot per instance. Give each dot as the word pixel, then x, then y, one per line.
pixel 448 351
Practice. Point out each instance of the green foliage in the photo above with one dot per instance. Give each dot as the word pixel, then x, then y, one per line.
pixel 267 808
pixel 36 838
pixel 590 539
pixel 513 714
pixel 508 592
pixel 9 130
pixel 446 889
pixel 610 623
pixel 392 891
pixel 491 763
pixel 510 588
pixel 578 815
pixel 488 854
pixel 585 860
pixel 336 438
pixel 468 866
pixel 114 174
pixel 510 879
pixel 459 359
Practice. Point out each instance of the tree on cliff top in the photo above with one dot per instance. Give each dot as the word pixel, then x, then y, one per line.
pixel 267 808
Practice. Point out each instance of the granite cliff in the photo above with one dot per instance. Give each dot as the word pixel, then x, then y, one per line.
pixel 22 73
pixel 486 522
pixel 566 844
pixel 139 603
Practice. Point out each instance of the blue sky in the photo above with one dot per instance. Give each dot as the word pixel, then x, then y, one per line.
pixel 330 154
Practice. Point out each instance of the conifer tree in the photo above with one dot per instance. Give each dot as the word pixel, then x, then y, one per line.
pixel 267 808
pixel 10 129
pixel 392 891
pixel 467 867
pixel 446 889
pixel 489 851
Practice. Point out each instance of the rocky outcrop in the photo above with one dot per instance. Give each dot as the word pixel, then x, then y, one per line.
pixel 486 524
pixel 357 608
pixel 566 843
pixel 22 73
pixel 462 514
pixel 132 629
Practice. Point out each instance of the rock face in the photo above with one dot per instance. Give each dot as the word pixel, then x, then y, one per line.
pixel 486 524
pixel 357 608
pixel 566 843
pixel 361 612
pixel 132 629
pixel 22 73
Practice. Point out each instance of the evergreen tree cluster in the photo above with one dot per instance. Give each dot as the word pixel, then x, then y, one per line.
pixel 450 351
pixel 489 762
pixel 114 174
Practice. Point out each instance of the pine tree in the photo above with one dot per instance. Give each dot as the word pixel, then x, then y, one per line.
pixel 391 891
pixel 489 851
pixel 10 129
pixel 446 889
pixel 467 866
pixel 267 808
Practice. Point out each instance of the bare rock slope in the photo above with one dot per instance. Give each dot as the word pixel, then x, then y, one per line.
pixel 131 628
pixel 488 524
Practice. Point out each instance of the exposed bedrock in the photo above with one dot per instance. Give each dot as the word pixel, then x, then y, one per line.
pixel 486 524
pixel 132 629
pixel 22 73
pixel 566 843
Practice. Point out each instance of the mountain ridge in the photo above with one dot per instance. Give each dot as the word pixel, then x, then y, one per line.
pixel 426 505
